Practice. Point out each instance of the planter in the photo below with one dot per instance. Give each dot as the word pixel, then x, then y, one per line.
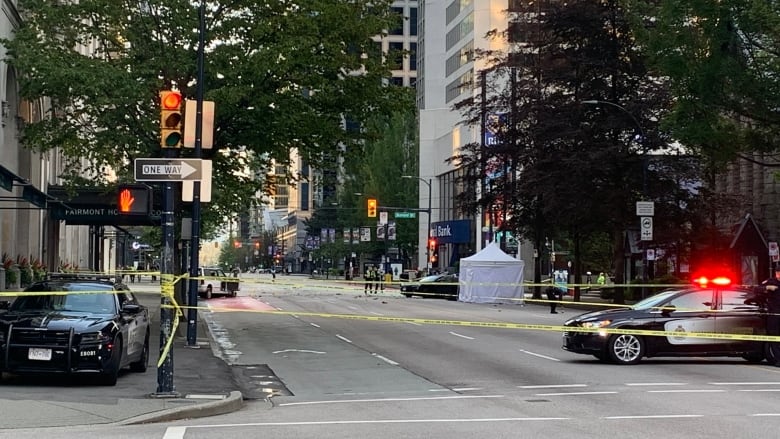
pixel 12 278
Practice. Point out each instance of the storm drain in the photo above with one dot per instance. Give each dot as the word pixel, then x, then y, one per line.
pixel 258 381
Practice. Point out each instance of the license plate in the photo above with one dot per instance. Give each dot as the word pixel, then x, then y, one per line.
pixel 39 354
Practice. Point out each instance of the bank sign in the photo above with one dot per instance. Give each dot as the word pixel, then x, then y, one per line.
pixel 451 232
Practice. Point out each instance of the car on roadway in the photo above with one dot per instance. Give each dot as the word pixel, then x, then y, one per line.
pixel 213 281
pixel 711 306
pixel 437 285
pixel 74 325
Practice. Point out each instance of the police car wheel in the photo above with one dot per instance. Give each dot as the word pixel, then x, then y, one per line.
pixel 770 355
pixel 754 357
pixel 625 349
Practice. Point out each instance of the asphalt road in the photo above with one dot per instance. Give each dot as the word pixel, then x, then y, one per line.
pixel 386 366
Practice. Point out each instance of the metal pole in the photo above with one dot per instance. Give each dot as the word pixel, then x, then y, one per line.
pixel 428 233
pixel 192 298
pixel 165 372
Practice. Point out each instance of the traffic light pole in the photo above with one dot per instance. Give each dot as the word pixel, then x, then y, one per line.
pixel 165 386
pixel 192 297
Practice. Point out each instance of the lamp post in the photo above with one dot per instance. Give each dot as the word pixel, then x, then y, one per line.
pixel 428 234
pixel 644 168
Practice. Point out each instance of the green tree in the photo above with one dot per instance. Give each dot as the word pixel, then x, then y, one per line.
pixel 284 75
pixel 392 154
pixel 571 171
pixel 721 61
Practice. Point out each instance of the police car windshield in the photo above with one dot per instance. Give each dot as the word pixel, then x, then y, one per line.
pixel 656 300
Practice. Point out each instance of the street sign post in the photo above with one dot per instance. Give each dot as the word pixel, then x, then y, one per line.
pixel 646 228
pixel 148 169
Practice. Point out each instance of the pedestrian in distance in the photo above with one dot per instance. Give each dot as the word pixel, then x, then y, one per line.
pixel 369 277
pixel 602 279
pixel 378 280
pixel 771 288
pixel 553 298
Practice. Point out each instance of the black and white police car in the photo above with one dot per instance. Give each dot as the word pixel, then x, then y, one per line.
pixel 711 305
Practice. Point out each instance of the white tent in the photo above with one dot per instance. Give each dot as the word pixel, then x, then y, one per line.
pixel 491 276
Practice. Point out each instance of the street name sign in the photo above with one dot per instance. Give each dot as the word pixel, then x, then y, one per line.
pixel 405 214
pixel 147 169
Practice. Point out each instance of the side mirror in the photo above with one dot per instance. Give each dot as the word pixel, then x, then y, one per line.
pixel 131 308
pixel 667 310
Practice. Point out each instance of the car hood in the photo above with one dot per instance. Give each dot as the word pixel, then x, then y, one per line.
pixel 608 314
pixel 56 320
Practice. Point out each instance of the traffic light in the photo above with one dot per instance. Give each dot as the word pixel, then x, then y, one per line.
pixel 372 207
pixel 134 199
pixel 171 119
pixel 433 249
pixel 237 244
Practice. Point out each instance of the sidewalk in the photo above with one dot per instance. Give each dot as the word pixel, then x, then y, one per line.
pixel 203 386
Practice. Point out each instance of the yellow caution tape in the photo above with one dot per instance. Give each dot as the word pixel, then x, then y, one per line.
pixel 504 325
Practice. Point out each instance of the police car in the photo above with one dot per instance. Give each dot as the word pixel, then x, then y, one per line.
pixel 712 305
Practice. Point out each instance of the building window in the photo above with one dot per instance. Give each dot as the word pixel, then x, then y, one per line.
pixel 412 56
pixel 460 31
pixel 399 28
pixel 413 22
pixel 395 55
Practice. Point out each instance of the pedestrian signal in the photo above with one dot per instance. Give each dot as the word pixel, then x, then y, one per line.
pixel 134 199
pixel 171 119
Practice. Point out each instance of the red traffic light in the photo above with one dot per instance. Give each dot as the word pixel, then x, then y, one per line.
pixel 171 118
pixel 432 243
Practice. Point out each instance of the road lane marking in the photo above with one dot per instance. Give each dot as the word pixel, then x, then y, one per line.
pixel 539 355
pixel 768 383
pixel 424 398
pixel 385 359
pixel 653 417
pixel 655 384
pixel 376 421
pixel 340 337
pixel 461 336
pixel 552 386
pixel 314 324
pixel 174 433
pixel 687 391
pixel 305 351
pixel 575 393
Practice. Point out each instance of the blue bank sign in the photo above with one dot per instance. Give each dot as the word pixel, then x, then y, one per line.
pixel 451 232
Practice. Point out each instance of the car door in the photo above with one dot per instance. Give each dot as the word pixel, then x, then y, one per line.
pixel 690 311
pixel 740 314
pixel 130 325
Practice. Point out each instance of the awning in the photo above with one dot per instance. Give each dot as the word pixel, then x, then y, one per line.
pixel 29 192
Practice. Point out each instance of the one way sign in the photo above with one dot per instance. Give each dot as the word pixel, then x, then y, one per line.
pixel 168 169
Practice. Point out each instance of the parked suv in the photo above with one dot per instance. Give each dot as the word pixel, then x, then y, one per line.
pixel 213 280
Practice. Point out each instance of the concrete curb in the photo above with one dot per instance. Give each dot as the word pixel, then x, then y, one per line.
pixel 233 402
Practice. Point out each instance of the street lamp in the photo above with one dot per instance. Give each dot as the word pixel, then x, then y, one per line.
pixel 428 234
pixel 644 168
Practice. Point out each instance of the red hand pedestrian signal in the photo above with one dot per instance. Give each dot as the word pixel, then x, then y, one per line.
pixel 126 200
pixel 133 199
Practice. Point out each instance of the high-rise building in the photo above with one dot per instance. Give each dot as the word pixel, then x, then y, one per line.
pixel 292 204
pixel 450 33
